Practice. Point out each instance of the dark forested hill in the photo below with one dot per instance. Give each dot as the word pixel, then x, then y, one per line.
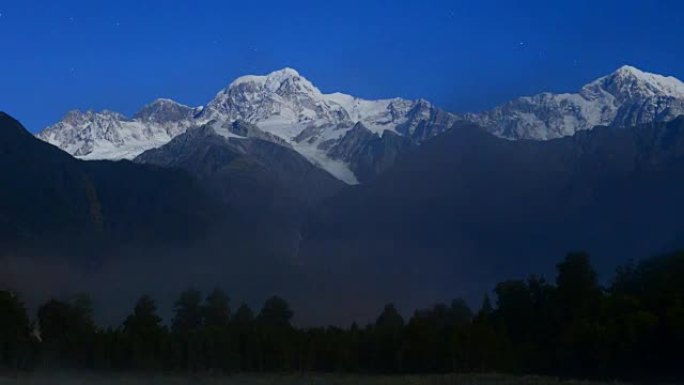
pixel 51 201
pixel 270 185
pixel 467 208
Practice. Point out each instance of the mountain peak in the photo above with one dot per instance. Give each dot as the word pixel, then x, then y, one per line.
pixel 163 101
pixel 76 115
pixel 629 81
pixel 274 80
pixel 629 70
pixel 281 74
pixel 626 97
pixel 285 72
pixel 163 111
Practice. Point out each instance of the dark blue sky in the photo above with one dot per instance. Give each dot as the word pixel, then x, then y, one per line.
pixel 462 55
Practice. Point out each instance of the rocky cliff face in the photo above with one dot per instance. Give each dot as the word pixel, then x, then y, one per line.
pixel 370 154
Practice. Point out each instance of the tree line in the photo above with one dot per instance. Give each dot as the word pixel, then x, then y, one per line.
pixel 574 327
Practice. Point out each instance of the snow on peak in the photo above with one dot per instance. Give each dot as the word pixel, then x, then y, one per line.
pixel 164 101
pixel 273 81
pixel 284 73
pixel 285 106
pixel 626 97
pixel 628 81
pixel 112 135
pixel 76 116
pixel 628 69
pixel 164 111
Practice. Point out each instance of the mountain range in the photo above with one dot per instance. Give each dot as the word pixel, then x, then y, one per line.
pixel 355 139
pixel 627 97
pixel 341 203
pixel 282 103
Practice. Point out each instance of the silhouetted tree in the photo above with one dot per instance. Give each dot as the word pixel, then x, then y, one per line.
pixel 388 334
pixel 515 309
pixel 67 331
pixel 14 331
pixel 579 301
pixel 275 312
pixel 243 327
pixel 486 309
pixel 276 335
pixel 647 309
pixel 424 346
pixel 144 335
pixel 216 309
pixel 570 327
pixel 243 315
pixel 186 326
pixel 488 345
pixel 577 285
pixel 188 312
pixel 220 347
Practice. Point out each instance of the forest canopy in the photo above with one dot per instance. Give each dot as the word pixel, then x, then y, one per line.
pixel 574 327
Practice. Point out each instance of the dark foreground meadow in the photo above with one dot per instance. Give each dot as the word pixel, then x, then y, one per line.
pixel 313 379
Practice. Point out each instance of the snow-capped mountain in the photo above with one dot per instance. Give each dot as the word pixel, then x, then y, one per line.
pixel 353 138
pixel 287 105
pixel 111 135
pixel 626 97
pixel 282 104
